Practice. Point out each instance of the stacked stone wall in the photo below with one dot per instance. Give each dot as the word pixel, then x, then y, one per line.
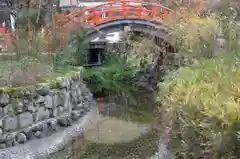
pixel 33 112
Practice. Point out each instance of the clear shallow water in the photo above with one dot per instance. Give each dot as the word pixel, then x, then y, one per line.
pixel 121 131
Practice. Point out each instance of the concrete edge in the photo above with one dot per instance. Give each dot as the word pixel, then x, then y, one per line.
pixel 40 148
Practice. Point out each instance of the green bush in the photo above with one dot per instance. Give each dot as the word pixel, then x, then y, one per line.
pixel 192 34
pixel 114 75
pixel 202 104
pixel 77 47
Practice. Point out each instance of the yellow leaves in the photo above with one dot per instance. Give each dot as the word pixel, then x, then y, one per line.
pixel 231 111
pixel 190 32
pixel 211 88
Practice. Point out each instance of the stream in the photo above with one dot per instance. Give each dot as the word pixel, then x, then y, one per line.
pixel 124 129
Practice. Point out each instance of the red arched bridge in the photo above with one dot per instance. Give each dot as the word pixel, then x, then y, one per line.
pixel 117 10
pixel 115 15
pixel 142 16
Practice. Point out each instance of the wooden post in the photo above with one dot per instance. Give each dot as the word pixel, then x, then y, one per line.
pixel 124 9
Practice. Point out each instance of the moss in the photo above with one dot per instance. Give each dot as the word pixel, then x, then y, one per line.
pixel 42 79
pixel 16 89
pixel 54 84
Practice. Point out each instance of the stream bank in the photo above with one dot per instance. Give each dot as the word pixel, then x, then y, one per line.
pixel 126 121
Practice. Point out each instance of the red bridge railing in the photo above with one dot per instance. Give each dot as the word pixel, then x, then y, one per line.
pixel 124 9
pixel 95 15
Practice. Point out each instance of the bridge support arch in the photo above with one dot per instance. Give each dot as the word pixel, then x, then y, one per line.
pixel 151 29
pixel 114 16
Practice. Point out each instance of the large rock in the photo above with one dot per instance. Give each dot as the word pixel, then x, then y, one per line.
pixel 59 110
pixel 74 97
pixel 81 74
pixel 68 102
pixel 4 99
pixel 53 125
pixel 88 97
pixel 73 86
pixel 62 83
pixel 76 114
pixel 1 132
pixel 46 130
pixel 17 105
pixel 3 138
pixel 2 145
pixel 10 123
pixel 48 101
pixel 8 110
pixel 40 101
pixel 21 138
pixel 2 114
pixel 83 88
pixel 78 91
pixel 79 106
pixel 38 134
pixel 64 121
pixel 28 94
pixel 25 119
pixel 31 107
pixel 10 140
pixel 42 114
pixel 28 132
pixel 65 83
pixel 75 77
pixel 43 90
pixel 58 99
pixel 87 105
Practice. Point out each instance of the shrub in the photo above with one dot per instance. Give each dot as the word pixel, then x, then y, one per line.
pixel 202 104
pixel 114 75
pixel 32 17
pixel 192 34
pixel 142 54
pixel 195 35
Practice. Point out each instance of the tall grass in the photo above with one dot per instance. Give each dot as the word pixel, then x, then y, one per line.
pixel 202 104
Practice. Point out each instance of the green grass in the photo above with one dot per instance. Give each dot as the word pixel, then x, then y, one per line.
pixel 113 75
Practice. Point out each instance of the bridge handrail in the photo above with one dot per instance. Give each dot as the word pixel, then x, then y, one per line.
pixel 123 3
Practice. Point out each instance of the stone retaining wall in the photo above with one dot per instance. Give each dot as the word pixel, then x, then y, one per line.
pixel 38 111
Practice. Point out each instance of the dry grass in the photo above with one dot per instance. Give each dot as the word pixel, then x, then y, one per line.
pixel 191 34
pixel 202 104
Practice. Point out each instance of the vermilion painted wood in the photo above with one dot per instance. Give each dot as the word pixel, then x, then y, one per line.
pixel 112 10
pixel 125 9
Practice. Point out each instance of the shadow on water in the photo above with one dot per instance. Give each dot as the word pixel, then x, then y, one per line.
pixel 123 129
pixel 141 147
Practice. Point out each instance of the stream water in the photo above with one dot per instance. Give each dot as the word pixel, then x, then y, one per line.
pixel 124 129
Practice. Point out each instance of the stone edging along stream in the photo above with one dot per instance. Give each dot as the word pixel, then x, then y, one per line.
pixel 39 120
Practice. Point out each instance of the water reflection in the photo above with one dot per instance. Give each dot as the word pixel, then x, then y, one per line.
pixel 139 148
pixel 115 134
